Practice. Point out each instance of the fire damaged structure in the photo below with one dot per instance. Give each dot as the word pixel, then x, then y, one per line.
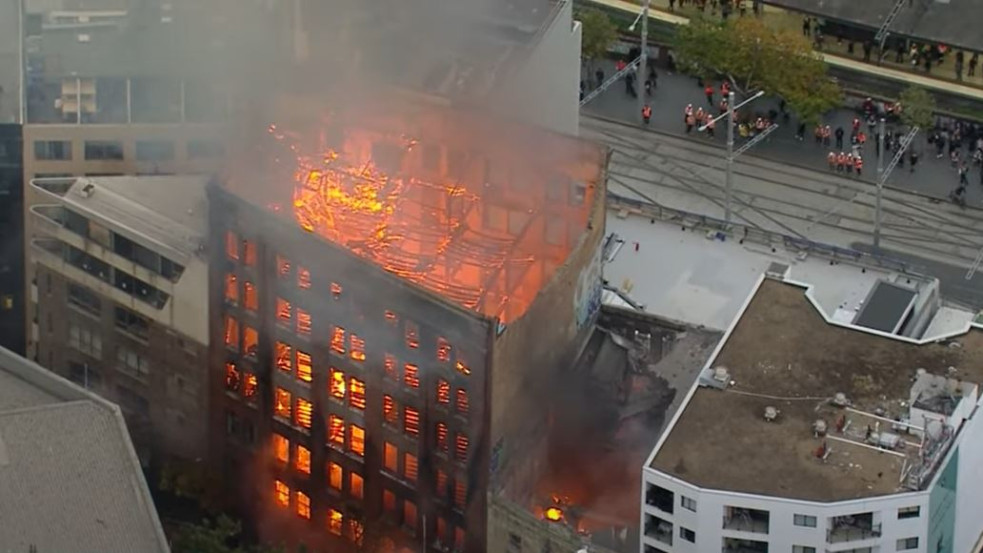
pixel 393 290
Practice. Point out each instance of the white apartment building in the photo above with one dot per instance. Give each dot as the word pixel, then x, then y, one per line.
pixel 121 288
pixel 811 431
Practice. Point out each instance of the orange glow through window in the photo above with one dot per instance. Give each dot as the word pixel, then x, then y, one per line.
pixel 303 506
pixel 284 311
pixel 356 531
pixel 335 521
pixel 441 483
pixel 391 318
pixel 443 392
pixel 284 356
pixel 281 407
pixel 461 448
pixel 304 412
pixel 303 461
pixel 412 335
pixel 282 266
pixel 336 383
pixel 338 340
pixel 460 493
pixel 357 445
pixel 249 253
pixel 411 375
pixel 358 348
pixel 231 288
pixel 411 421
pixel 281 448
pixel 336 430
pixel 303 278
pixel 335 474
pixel 390 366
pixel 356 486
pixel 250 386
pixel 251 298
pixel 305 369
pixel 250 341
pixel 443 350
pixel 303 322
pixel 232 245
pixel 462 401
pixel 231 332
pixel 356 394
pixel 336 290
pixel 442 442
pixel 409 467
pixel 390 411
pixel 232 378
pixel 282 492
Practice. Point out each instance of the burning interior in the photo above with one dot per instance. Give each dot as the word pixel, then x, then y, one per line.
pixel 477 212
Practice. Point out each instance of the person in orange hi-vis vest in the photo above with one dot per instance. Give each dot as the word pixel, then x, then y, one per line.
pixel 646 113
pixel 858 164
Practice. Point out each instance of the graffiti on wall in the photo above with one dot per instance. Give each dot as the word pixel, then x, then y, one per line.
pixel 587 300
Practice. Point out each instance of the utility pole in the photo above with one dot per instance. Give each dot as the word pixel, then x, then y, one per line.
pixel 643 57
pixel 880 187
pixel 730 156
pixel 882 178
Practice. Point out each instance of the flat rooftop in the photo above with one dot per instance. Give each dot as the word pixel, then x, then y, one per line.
pixel 165 210
pixel 952 22
pixel 782 353
pixel 69 478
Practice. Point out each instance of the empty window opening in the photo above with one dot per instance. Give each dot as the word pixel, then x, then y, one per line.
pixel 336 384
pixel 249 253
pixel 281 407
pixel 305 367
pixel 302 461
pixel 250 341
pixel 390 365
pixel 231 333
pixel 335 475
pixel 250 298
pixel 250 386
pixel 304 413
pixel 338 340
pixel 336 431
pixel 303 506
pixel 232 377
pixel 441 484
pixel 303 278
pixel 411 375
pixel 284 311
pixel 409 514
pixel 281 449
pixel 232 245
pixel 390 410
pixel 282 266
pixel 231 288
pixel 303 322
pixel 282 493
pixel 356 393
pixel 284 356
pixel 443 350
pixel 335 521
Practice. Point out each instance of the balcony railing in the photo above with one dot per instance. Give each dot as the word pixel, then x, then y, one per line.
pixel 853 533
pixel 745 524
pixel 658 534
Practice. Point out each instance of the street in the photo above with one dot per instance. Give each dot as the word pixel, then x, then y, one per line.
pixel 932 177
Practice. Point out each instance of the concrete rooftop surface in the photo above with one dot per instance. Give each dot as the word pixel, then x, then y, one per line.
pixel 783 353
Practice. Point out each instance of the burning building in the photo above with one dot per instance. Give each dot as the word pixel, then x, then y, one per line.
pixel 392 292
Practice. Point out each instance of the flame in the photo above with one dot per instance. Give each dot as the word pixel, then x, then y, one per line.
pixel 554 514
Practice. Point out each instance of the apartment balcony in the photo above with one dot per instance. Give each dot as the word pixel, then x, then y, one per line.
pixel 658 529
pixel 854 532
pixel 741 519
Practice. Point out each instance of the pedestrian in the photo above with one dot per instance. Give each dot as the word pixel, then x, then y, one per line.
pixel 800 133
pixel 861 138
pixel 819 133
pixel 963 170
pixel 867 48
pixel 954 158
pixel 723 105
pixel 690 123
pixel 939 146
pixel 858 165
pixel 700 115
pixel 848 165
pixel 827 132
pixel 840 162
pixel 899 53
pixel 839 138
pixel 831 160
pixel 806 26
pixel 648 88
pixel 710 126
pixel 646 113
pixel 871 123
pixel 599 76
pixel 973 62
pixel 959 69
pixel 913 159
pixel 856 124
pixel 708 90
pixel 672 5
pixel 630 85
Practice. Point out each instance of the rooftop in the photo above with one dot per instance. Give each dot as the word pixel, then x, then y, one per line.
pixel 69 478
pixel 951 22
pixel 783 353
pixel 157 211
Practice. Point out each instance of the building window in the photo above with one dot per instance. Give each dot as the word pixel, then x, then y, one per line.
pixel 442 442
pixel 390 410
pixel 250 341
pixel 284 356
pixel 803 549
pixel 461 448
pixel 199 149
pixel 909 512
pixel 357 445
pixel 336 431
pixel 335 521
pixel 356 486
pixel 111 150
pixel 132 324
pixel 281 449
pixel 231 424
pixel 305 370
pixel 281 407
pixel 249 253
pixel 443 350
pixel 358 348
pixel 391 318
pixel 232 377
pixel 154 150
pixel 282 494
pixel 338 340
pixel 231 333
pixel 303 278
pixel 687 503
pixel 390 457
pixel 302 462
pixel 412 335
pixel 356 394
pixel 356 532
pixel 250 386
pixel 231 245
pixel 251 299
pixel 459 539
pixel 687 534
pixel 460 493
pixel 409 467
pixel 336 290
pixel 443 392
pixel 305 411
pixel 411 376
pixel 808 521
pixel 282 266
pixel 84 299
pixel 284 311
pixel 86 341
pixel 336 384
pixel 303 322
pixel 440 486
pixel 303 506
pixel 906 544
pixel 335 475
pixel 411 421
pixel 409 514
pixel 388 501
pixel 390 365
pixel 231 288
pixel 129 362
pixel 53 150
pixel 462 401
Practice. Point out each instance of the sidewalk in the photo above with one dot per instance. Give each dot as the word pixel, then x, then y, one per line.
pixel 932 177
pixel 942 79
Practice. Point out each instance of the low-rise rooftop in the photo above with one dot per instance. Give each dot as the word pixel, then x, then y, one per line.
pixel 782 353
pixel 69 477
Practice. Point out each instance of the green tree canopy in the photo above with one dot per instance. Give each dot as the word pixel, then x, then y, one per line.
pixel 756 57
pixel 219 536
pixel 917 107
pixel 598 33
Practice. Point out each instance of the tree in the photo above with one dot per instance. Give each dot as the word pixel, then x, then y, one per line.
pixel 598 33
pixel 219 536
pixel 917 107
pixel 756 57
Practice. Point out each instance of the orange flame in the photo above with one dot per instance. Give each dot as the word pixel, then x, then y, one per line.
pixel 554 514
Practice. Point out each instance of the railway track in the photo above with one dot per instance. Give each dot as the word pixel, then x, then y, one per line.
pixel 827 207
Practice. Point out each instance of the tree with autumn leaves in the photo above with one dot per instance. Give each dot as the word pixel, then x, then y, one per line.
pixel 756 57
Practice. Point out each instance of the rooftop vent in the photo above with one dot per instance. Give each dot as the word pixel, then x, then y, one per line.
pixel 840 400
pixel 771 414
pixel 777 270
pixel 819 428
pixel 721 374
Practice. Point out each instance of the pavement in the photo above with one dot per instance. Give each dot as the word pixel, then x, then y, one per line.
pixel 932 177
